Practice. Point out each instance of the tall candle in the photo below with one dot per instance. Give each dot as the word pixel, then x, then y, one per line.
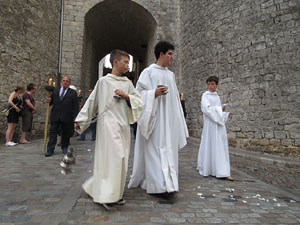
pixel 50 82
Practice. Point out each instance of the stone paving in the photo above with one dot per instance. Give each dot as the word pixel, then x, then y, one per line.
pixel 33 191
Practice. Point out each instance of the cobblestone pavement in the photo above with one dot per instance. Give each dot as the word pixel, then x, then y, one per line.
pixel 33 191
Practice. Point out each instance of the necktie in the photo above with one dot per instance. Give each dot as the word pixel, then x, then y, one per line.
pixel 62 94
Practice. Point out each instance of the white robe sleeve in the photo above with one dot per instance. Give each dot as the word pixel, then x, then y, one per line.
pixel 214 113
pixel 148 117
pixel 226 116
pixel 90 107
pixel 136 103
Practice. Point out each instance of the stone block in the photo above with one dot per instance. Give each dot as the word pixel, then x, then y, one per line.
pixel 275 142
pixel 269 134
pixel 280 134
pixel 286 142
pixel 264 142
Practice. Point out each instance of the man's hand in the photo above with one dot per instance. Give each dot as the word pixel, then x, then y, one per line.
pixel 76 126
pixel 122 94
pixel 224 107
pixel 160 90
pixel 48 100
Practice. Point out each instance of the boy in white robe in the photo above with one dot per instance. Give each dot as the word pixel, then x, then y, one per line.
pixel 118 105
pixel 161 128
pixel 213 157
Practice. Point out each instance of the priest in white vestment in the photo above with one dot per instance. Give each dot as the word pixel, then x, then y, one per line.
pixel 118 105
pixel 162 129
pixel 213 156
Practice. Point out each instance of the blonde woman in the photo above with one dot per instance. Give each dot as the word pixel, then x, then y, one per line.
pixel 15 102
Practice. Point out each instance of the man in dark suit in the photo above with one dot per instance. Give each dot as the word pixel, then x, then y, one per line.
pixel 64 110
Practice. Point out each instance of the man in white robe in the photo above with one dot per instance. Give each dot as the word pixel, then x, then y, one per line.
pixel 118 105
pixel 162 129
pixel 213 156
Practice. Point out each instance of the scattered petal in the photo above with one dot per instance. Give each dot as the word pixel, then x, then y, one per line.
pixel 278 205
pixel 89 150
pixel 199 187
pixel 229 189
pixel 244 201
pixel 274 199
pixel 213 195
pixel 257 204
pixel 199 194
pixel 293 201
pixel 90 171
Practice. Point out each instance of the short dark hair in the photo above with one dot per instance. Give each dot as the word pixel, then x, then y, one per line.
pixel 117 54
pixel 30 86
pixel 212 79
pixel 18 88
pixel 162 46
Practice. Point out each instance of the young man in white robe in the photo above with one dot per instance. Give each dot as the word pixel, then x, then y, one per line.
pixel 118 105
pixel 213 156
pixel 162 129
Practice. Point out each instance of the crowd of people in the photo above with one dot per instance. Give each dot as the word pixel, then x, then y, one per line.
pixel 159 110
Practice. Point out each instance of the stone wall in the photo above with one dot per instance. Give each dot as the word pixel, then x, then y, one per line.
pixel 29 44
pixel 29 52
pixel 253 47
pixel 165 13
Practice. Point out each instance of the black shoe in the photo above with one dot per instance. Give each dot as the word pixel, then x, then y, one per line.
pixel 48 154
pixel 93 139
pixel 80 139
pixel 64 151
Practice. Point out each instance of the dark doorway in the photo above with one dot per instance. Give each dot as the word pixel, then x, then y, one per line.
pixel 115 24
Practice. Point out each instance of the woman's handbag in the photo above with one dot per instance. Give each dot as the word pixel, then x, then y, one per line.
pixel 5 112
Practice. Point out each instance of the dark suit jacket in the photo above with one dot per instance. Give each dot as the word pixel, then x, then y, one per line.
pixel 65 110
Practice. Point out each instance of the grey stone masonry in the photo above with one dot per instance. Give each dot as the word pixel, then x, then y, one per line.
pixel 253 47
pixel 28 52
pixel 165 13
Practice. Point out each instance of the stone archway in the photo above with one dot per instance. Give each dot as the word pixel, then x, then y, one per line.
pixel 115 24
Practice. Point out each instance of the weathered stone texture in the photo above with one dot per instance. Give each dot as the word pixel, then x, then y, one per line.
pixel 253 47
pixel 77 60
pixel 29 51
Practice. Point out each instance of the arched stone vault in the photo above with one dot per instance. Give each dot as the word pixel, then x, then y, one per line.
pixel 114 24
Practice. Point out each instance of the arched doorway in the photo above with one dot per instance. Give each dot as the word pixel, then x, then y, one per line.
pixel 115 24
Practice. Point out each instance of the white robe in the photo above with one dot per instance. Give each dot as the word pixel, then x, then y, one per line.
pixel 161 132
pixel 213 157
pixel 113 136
